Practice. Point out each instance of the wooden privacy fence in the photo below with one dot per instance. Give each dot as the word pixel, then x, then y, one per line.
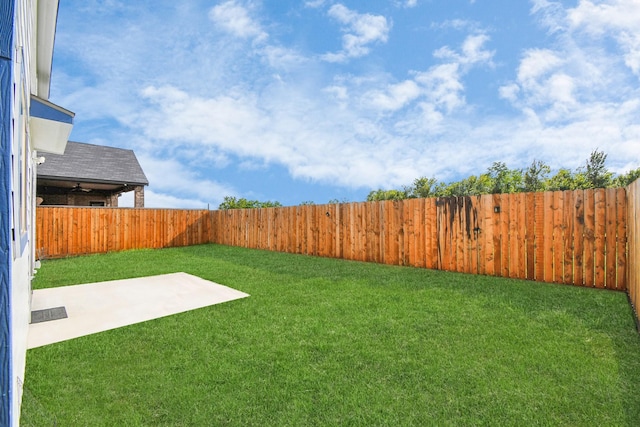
pixel 572 237
pixel 64 231
pixel 633 257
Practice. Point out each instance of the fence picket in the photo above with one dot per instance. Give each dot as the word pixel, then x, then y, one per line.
pixel 621 239
pixel 610 238
pixel 486 231
pixel 431 234
pixel 599 244
pixel 578 238
pixel 568 241
pixel 529 235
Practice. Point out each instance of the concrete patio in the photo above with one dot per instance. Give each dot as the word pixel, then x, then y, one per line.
pixel 98 307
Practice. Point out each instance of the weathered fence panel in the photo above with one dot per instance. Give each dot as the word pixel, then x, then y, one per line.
pixel 573 237
pixel 64 231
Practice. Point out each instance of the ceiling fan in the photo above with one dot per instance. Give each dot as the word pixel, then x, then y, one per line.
pixel 78 189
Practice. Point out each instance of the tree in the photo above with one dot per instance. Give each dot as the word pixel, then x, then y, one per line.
pixel 596 173
pixel 422 188
pixel 233 203
pixel 471 186
pixel 627 178
pixel 338 201
pixel 504 180
pixel 566 180
pixel 535 176
pixel 500 179
pixel 378 195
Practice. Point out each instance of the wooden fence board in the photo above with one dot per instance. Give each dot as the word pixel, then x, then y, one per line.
pixel 409 233
pixel 431 246
pixel 557 246
pixel 371 235
pixel 633 235
pixel 539 229
pixel 568 213
pixel 530 236
pixel 610 238
pixel 497 235
pixel 380 227
pixel 422 235
pixel 521 232
pixel 578 238
pixel 355 231
pixel 505 219
pixel 547 238
pixel 447 227
pixel 363 232
pixel 470 224
pixel 513 226
pixel 487 257
pixel 621 239
pixel 589 240
pixel 419 232
pixel 599 233
pixel 458 246
pixel 422 232
pixel 473 232
pixel 393 234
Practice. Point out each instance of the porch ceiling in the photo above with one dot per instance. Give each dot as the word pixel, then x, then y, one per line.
pixel 85 186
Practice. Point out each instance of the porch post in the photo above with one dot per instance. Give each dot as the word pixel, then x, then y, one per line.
pixel 139 196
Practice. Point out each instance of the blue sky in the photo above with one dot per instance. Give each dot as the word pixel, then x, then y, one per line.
pixel 317 100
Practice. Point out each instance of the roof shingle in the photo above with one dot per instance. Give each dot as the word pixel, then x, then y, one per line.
pixel 93 163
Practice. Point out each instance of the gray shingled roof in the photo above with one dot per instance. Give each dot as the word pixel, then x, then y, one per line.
pixel 93 163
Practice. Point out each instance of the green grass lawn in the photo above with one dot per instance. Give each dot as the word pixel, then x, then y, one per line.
pixel 331 342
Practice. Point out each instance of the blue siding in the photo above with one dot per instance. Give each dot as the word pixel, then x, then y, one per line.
pixel 6 83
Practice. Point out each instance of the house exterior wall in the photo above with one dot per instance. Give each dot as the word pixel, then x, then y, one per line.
pixel 18 80
pixel 6 75
pixel 79 199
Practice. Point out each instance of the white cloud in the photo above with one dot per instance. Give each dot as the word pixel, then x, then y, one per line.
pixel 153 199
pixel 361 30
pixel 441 85
pixel 236 19
pixel 279 57
pixel 395 96
pixel 542 83
pixel 577 75
pixel 298 132
pixel 550 15
pixel 509 92
pixel 459 25
pixel 172 176
pixel 232 123
pixel 315 3
pixel 406 3
pixel 619 19
pixel 535 64
pixel 472 51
